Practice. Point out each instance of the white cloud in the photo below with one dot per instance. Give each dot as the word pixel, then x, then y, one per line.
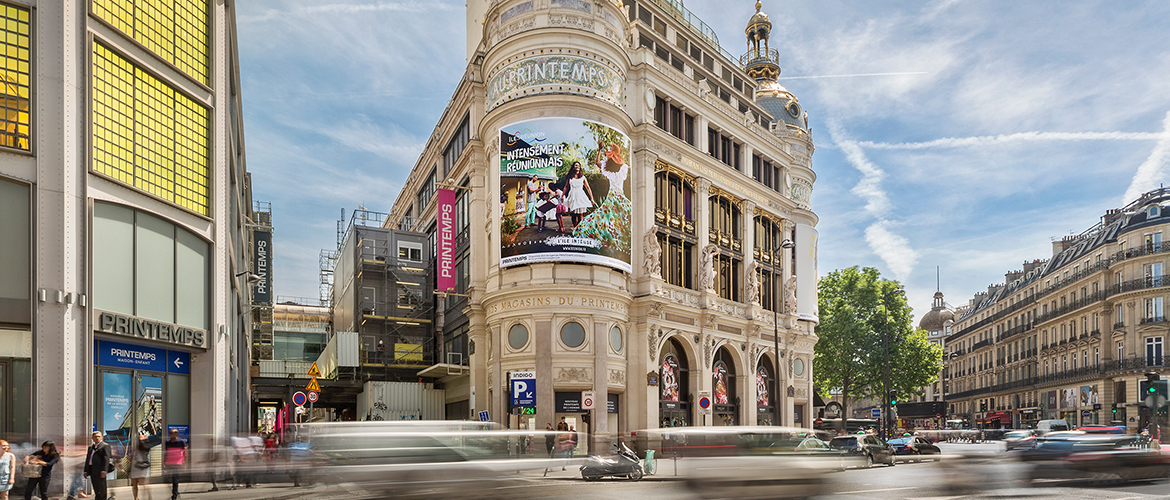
pixel 869 188
pixel 989 140
pixel 892 248
pixel 1151 172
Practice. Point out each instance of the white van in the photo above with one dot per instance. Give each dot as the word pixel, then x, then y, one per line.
pixel 1046 426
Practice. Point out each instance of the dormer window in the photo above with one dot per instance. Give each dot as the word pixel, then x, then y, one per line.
pixel 1155 211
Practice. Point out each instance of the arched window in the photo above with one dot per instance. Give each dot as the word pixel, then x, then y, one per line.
pixel 764 398
pixel 724 397
pixel 674 386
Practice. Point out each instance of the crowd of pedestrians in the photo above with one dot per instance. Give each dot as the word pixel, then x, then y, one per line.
pixel 87 471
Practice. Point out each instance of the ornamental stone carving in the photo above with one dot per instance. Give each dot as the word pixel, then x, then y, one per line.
pixel 573 375
pixel 652 338
pixel 708 347
pixel 655 310
pixel 707 268
pixel 652 264
pixel 790 295
pixel 571 22
pixel 617 377
pixel 753 283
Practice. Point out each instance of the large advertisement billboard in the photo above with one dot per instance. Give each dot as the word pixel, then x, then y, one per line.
pixel 564 193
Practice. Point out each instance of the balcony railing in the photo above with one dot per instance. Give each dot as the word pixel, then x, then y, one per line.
pixel 1100 369
pixel 1155 319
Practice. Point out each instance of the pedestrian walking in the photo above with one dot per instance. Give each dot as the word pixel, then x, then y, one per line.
pixel 7 470
pixel 550 439
pixel 573 444
pixel 174 460
pixel 73 459
pixel 46 457
pixel 140 465
pixel 97 464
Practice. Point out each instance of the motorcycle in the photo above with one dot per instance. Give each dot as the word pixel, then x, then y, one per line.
pixel 624 464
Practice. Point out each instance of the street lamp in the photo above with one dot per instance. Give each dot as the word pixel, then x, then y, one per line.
pixel 776 330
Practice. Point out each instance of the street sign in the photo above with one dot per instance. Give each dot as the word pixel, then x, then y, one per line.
pixel 1155 401
pixel 313 371
pixel 313 395
pixel 523 386
pixel 819 421
pixel 313 385
pixel 875 413
pixel 483 416
pixel 587 400
pixel 299 398
pixel 705 401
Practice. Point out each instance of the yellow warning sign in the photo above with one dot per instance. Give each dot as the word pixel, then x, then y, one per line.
pixel 314 372
pixel 313 385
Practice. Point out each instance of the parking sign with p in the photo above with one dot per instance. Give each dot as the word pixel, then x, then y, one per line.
pixel 523 385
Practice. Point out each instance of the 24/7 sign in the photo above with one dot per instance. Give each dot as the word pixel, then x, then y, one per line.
pixel 523 386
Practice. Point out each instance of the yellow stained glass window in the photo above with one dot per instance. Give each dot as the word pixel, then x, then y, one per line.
pixel 148 135
pixel 175 30
pixel 14 61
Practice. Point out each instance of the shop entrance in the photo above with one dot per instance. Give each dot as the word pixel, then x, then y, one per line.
pixel 143 393
pixel 765 412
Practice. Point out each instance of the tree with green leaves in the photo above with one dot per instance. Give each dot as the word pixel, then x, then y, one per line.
pixel 859 313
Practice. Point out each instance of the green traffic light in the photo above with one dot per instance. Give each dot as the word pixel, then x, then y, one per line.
pixel 1152 389
pixel 894 402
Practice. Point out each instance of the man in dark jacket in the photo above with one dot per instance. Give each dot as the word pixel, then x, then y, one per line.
pixel 550 439
pixel 97 464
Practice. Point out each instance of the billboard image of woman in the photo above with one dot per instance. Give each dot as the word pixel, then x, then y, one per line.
pixel 564 193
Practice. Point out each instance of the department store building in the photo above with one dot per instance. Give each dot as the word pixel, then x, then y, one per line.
pixel 124 204
pixel 658 278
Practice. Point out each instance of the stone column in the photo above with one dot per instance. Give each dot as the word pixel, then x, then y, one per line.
pixel 599 417
pixel 542 339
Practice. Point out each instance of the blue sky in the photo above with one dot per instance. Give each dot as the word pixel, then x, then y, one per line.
pixel 983 130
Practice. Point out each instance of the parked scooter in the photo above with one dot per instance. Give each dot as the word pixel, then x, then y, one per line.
pixel 624 464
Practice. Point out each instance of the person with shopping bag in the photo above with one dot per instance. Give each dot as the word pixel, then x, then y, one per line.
pixel 41 464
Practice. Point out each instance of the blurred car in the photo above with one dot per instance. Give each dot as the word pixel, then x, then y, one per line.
pixel 1094 457
pixel 912 449
pixel 1019 440
pixel 419 459
pixel 743 461
pixel 867 447
pixel 1102 429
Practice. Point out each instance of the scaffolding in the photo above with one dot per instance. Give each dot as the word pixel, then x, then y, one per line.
pixel 380 285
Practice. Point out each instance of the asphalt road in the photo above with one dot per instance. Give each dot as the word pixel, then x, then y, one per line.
pixel 982 472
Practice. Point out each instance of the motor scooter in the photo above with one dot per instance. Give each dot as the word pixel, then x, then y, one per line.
pixel 624 464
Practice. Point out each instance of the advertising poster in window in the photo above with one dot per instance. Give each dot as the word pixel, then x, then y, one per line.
pixel 564 193
pixel 1068 398
pixel 721 397
pixel 761 387
pixel 1089 395
pixel 148 414
pixel 116 396
pixel 669 378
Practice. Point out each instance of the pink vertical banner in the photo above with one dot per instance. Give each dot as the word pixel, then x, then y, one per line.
pixel 445 258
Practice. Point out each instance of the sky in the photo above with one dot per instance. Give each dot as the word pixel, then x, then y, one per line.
pixel 960 136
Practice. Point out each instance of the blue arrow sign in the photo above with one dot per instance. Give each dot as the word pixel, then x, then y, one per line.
pixel 876 413
pixel 524 391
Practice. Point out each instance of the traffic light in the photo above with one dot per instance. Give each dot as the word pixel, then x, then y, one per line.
pixel 983 406
pixel 1115 408
pixel 1152 379
pixel 893 398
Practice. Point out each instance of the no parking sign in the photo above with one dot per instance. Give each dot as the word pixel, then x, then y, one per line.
pixel 299 398
pixel 705 401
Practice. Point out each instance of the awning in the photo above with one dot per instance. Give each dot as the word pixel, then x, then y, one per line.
pixel 817 401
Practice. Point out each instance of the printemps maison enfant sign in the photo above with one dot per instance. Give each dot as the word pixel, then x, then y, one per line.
pixel 555 74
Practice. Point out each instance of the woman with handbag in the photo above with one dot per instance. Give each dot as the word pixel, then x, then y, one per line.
pixel 140 465
pixel 46 458
pixel 7 470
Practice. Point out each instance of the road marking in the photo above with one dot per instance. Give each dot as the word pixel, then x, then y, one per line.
pixel 874 491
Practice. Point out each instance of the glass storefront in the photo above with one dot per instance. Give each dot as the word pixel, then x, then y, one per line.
pixel 142 393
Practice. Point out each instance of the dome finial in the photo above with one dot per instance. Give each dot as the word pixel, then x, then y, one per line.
pixel 759 5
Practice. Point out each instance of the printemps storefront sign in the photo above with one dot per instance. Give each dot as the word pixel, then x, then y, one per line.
pixel 141 328
pixel 556 74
